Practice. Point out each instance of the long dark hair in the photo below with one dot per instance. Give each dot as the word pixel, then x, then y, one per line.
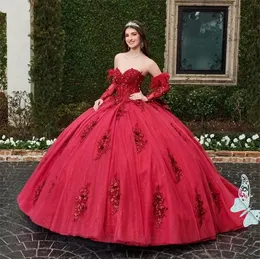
pixel 140 29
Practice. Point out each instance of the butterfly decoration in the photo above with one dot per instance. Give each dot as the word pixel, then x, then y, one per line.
pixel 242 204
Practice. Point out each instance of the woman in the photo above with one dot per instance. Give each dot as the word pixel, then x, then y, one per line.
pixel 127 170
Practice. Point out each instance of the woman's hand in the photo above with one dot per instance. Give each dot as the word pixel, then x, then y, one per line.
pixel 97 104
pixel 138 96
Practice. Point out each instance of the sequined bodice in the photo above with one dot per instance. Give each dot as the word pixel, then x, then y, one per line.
pixel 129 82
pixel 126 83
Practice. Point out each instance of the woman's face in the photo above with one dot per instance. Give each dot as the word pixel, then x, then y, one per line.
pixel 132 38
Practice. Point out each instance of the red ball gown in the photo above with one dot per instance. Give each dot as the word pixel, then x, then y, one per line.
pixel 130 173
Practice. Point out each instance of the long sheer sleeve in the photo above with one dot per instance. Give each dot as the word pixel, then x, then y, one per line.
pixel 112 87
pixel 109 91
pixel 159 86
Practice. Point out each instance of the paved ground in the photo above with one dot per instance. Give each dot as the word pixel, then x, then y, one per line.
pixel 20 238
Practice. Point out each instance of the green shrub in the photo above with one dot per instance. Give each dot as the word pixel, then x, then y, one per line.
pixel 249 55
pixel 47 65
pixel 202 102
pixel 3 52
pixel 3 110
pixel 178 103
pixel 19 112
pixel 66 113
pixel 236 105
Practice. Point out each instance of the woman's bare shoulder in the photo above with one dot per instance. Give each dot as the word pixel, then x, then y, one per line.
pixel 152 67
pixel 119 55
pixel 117 59
pixel 148 61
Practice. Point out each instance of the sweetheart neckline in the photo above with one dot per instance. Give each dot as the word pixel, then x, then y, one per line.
pixel 122 73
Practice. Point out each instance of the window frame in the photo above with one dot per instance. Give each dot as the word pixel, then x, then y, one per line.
pixel 232 43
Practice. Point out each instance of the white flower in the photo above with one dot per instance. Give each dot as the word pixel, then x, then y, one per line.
pixel 202 141
pixel 218 143
pixel 54 140
pixel 212 135
pixel 256 136
pixel 208 139
pixel 235 140
pixel 196 138
pixel 7 141
pixel 206 135
pixel 201 137
pixel 225 138
pixel 42 138
pixel 233 145
pixel 207 144
pixel 249 140
pixel 48 142
pixel 241 137
pixel 246 145
pixel 3 137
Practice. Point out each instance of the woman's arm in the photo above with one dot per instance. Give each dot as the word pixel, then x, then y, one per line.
pixel 111 89
pixel 159 84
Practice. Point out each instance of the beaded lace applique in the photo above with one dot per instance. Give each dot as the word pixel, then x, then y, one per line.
pixel 140 141
pixel 115 194
pixel 158 206
pixel 177 171
pixel 81 201
pixel 88 128
pixel 200 211
pixel 103 144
